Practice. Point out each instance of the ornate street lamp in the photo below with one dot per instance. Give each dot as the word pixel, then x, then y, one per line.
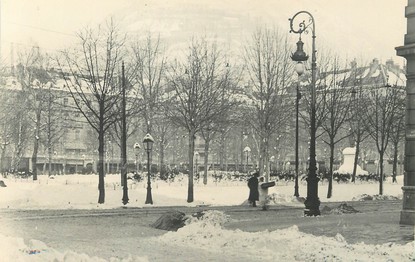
pixel 312 202
pixel 299 69
pixel 247 149
pixel 137 153
pixel 148 146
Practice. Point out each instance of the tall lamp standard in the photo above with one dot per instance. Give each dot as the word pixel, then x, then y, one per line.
pixel 148 146
pixel 124 141
pixel 247 149
pixel 299 68
pixel 137 153
pixel 312 202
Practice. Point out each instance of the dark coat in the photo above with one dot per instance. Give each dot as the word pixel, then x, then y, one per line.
pixel 253 189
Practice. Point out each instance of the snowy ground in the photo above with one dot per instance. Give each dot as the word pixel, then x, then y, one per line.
pixel 80 192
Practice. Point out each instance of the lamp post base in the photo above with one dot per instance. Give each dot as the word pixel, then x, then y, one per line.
pixel 312 202
pixel 125 195
pixel 312 207
pixel 124 189
pixel 149 199
pixel 312 212
pixel 296 193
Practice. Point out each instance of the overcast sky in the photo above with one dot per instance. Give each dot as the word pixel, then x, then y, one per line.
pixel 363 29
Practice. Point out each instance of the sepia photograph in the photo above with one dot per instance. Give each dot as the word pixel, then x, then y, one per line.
pixel 207 130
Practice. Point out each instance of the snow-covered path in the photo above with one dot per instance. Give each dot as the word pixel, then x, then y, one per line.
pixel 205 240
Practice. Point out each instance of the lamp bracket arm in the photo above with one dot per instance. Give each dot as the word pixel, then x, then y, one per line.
pixel 302 26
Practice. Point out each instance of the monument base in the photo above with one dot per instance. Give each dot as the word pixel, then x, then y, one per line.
pixel 348 163
pixel 408 211
pixel 407 217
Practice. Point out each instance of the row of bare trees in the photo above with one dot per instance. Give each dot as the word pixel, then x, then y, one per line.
pixel 200 93
pixel 30 113
pixel 350 106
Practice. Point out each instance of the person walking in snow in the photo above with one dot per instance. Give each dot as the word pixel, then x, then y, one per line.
pixel 253 189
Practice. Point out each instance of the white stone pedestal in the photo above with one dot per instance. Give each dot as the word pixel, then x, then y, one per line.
pixel 347 166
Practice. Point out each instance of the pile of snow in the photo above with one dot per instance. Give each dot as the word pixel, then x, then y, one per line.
pixel 16 249
pixel 276 198
pixel 207 234
pixel 208 218
pixel 343 208
pixel 280 245
pixel 365 197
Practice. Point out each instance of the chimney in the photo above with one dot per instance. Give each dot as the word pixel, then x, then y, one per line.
pixel 374 65
pixel 389 64
pixel 394 68
pixel 353 64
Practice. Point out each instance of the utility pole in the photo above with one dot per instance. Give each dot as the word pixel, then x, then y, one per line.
pixel 123 143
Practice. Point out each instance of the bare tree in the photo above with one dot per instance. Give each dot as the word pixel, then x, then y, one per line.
pixel 208 135
pixel 34 78
pixel 397 133
pixel 270 70
pixel 199 91
pixel 337 100
pixel 381 111
pixel 150 68
pixel 133 107
pixel 222 124
pixel 162 129
pixel 20 130
pixel 6 118
pixel 93 83
pixel 358 129
pixel 54 129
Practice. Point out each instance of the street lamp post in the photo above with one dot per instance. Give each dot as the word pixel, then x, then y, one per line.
pixel 300 70
pixel 148 146
pixel 247 149
pixel 312 202
pixel 137 153
pixel 124 141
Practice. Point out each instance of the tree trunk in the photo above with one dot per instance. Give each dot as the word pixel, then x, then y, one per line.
pixel 206 161
pixel 395 163
pixel 356 158
pixel 101 159
pixel 381 173
pixel 222 151
pixel 260 156
pixel 36 144
pixel 162 169
pixel 265 158
pixel 34 158
pixel 49 161
pixel 191 168
pixel 330 188
pixel 3 154
pixel 17 156
pixel 242 156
